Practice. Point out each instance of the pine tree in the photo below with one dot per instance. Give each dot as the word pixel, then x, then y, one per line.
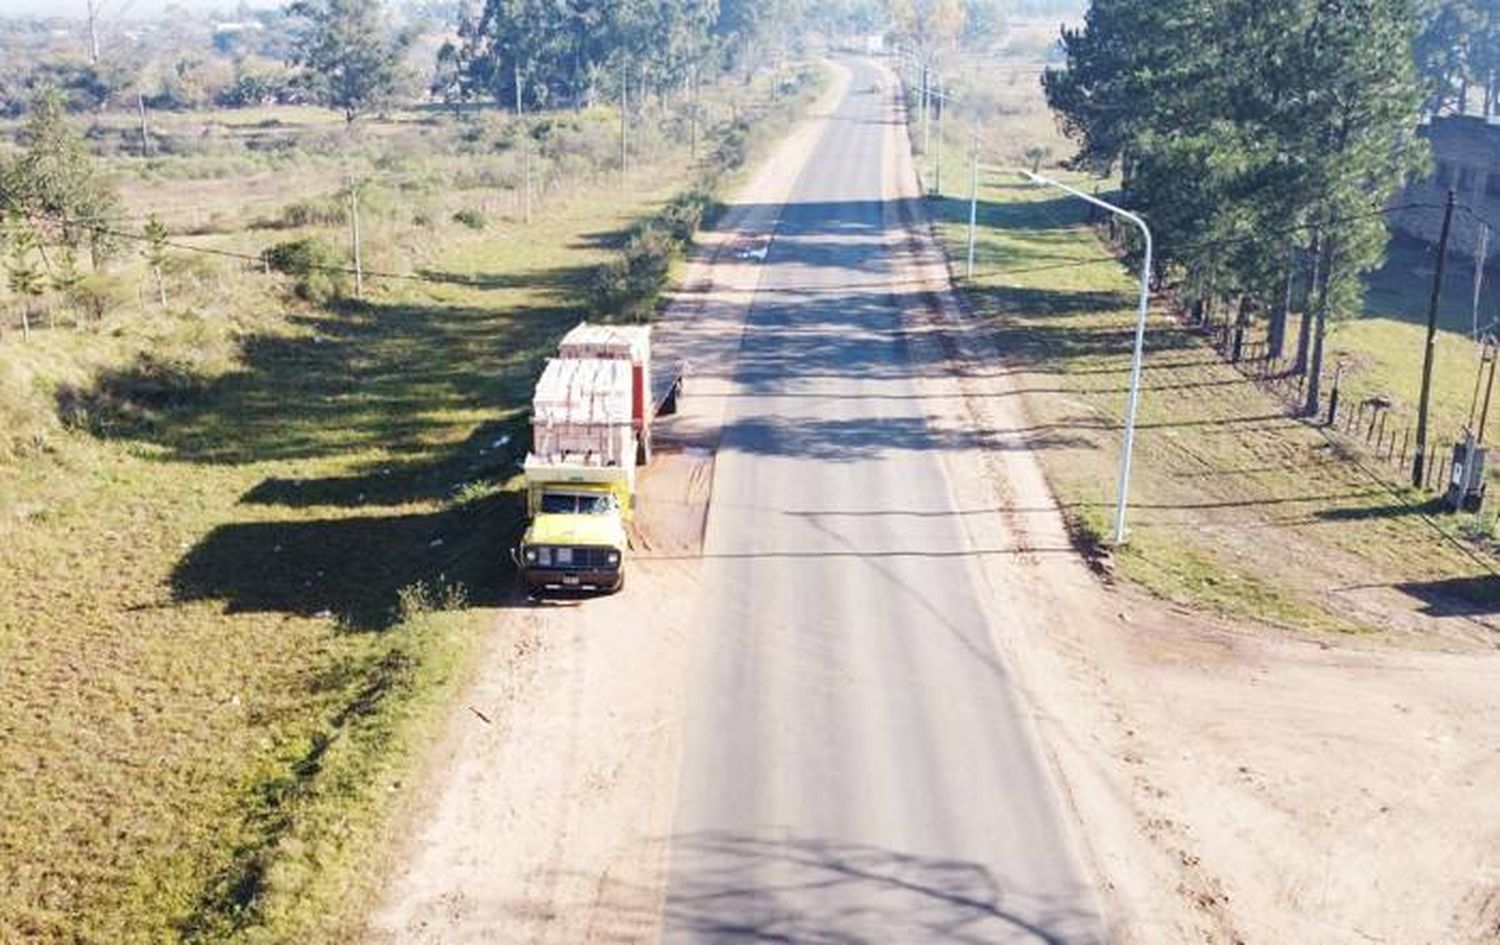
pixel 55 183
pixel 23 272
pixel 155 249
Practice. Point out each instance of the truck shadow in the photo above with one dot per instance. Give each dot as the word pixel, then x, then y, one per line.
pixel 353 569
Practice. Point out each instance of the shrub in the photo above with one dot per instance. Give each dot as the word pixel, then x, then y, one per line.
pixel 98 294
pixel 630 283
pixel 471 218
pixel 24 418
pixel 684 214
pixel 134 397
pixel 318 270
pixel 318 212
pixel 733 147
pixel 420 598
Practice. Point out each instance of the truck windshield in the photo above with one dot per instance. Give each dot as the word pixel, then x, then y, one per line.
pixel 571 503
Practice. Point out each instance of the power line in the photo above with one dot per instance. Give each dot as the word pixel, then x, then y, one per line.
pixel 104 230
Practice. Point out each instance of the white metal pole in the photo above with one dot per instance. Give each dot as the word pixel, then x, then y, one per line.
pixel 937 169
pixel 1140 342
pixel 973 203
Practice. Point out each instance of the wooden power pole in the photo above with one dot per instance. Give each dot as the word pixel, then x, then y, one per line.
pixel 140 104
pixel 359 270
pixel 525 152
pixel 1419 461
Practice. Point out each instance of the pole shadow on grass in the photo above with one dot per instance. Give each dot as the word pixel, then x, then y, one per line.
pixel 1477 596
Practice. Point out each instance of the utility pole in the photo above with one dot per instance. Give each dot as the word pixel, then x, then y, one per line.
pixel 926 111
pixel 624 122
pixel 359 271
pixel 140 104
pixel 525 151
pixel 693 122
pixel 1484 415
pixel 1140 342
pixel 937 170
pixel 1481 257
pixel 1419 462
pixel 93 17
pixel 973 202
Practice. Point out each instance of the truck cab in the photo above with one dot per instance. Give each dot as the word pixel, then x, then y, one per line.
pixel 576 539
pixel 590 426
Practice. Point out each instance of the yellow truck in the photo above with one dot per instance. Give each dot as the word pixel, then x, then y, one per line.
pixel 590 425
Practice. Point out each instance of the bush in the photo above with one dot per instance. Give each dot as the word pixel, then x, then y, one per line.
pixel 25 420
pixel 471 218
pixel 414 600
pixel 98 294
pixel 685 213
pixel 630 283
pixel 318 270
pixel 733 147
pixel 132 398
pixel 320 212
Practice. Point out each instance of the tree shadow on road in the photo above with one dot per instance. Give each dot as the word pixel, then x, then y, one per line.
pixel 736 887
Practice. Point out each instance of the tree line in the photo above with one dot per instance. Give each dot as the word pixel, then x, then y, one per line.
pixel 544 54
pixel 1263 140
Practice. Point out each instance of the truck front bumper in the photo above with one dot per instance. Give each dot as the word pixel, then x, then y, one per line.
pixel 554 579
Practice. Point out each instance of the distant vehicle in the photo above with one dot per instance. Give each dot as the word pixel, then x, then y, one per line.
pixel 590 427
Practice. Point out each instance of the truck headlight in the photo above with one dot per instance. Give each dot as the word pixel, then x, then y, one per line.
pixel 530 555
pixel 613 558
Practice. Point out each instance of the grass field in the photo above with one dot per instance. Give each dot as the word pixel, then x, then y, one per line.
pixel 1222 473
pixel 236 595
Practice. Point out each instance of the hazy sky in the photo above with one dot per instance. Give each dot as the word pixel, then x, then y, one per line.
pixel 115 7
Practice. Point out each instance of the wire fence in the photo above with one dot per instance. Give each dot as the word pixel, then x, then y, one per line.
pixel 1386 434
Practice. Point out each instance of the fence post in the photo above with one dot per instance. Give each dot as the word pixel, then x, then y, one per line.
pixel 1405 445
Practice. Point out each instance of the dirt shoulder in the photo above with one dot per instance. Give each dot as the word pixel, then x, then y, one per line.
pixel 1231 785
pixel 551 800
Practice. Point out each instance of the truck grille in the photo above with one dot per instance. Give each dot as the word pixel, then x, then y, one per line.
pixel 574 558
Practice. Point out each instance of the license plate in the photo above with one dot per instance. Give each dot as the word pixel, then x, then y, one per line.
pixel 571 580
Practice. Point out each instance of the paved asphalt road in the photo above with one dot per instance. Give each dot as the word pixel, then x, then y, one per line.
pixel 857 768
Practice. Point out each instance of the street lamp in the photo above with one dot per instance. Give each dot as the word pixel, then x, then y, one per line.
pixel 1140 340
